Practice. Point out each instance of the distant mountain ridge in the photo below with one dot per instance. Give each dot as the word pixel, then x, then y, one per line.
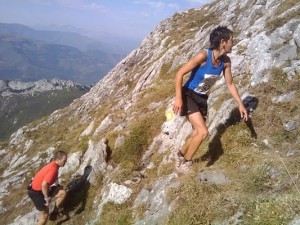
pixel 115 42
pixel 24 102
pixel 30 55
pixel 69 38
pixel 8 88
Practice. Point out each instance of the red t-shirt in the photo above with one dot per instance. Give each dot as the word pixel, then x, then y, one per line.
pixel 48 173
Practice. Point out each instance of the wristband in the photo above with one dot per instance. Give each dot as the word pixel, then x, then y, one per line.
pixel 47 199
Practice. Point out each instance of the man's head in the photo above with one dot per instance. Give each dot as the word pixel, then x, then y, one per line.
pixel 60 158
pixel 220 37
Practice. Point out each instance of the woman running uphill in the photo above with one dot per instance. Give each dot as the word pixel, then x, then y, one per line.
pixel 191 99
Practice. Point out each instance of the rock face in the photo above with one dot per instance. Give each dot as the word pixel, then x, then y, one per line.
pixel 127 104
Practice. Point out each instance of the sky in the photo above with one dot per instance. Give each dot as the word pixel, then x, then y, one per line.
pixel 127 18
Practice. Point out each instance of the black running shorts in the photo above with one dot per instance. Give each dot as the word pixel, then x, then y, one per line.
pixel 38 199
pixel 193 102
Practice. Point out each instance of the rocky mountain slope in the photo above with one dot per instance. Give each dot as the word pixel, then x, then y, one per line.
pixel 245 173
pixel 24 102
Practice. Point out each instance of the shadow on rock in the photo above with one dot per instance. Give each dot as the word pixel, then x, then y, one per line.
pixel 77 193
pixel 215 149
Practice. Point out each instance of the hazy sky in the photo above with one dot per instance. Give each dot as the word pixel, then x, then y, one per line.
pixel 132 18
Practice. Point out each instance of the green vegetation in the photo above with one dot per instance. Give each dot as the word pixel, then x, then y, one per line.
pixel 272 210
pixel 199 203
pixel 134 145
pixel 142 132
pixel 186 25
pixel 116 214
pixel 241 49
pixel 283 17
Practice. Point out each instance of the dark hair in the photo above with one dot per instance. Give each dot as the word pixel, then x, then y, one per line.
pixel 59 155
pixel 219 33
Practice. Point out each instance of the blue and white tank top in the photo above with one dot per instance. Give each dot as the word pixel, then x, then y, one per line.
pixel 204 77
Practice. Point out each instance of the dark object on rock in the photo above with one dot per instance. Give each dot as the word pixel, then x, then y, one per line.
pixel 79 181
pixel 250 103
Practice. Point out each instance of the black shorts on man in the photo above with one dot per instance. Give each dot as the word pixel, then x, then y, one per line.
pixel 38 197
pixel 193 102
